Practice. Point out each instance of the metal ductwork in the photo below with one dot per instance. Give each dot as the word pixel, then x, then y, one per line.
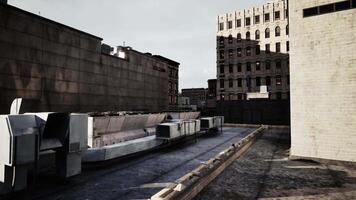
pixel 24 138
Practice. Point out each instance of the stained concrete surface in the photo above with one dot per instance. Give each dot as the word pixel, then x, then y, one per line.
pixel 137 178
pixel 265 172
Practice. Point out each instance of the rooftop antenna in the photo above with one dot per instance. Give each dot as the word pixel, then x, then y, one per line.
pixel 124 43
pixel 39 12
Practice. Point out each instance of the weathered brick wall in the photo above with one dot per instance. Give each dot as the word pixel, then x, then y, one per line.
pixel 62 69
pixel 323 82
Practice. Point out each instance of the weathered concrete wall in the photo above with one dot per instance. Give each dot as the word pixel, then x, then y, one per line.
pixel 323 82
pixel 63 69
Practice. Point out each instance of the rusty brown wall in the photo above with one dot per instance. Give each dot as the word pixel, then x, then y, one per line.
pixel 62 69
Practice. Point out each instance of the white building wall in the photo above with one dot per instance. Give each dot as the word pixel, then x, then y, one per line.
pixel 323 82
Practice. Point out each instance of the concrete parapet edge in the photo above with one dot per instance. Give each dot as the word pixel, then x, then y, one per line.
pixel 188 186
pixel 324 161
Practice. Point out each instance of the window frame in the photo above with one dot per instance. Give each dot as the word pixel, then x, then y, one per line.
pixel 221 26
pixel 279 15
pixel 277 31
pixel 267 17
pixel 267 33
pixel 238 23
pixel 257 34
pixel 229 24
pixel 257 17
pixel 248 21
pixel 278 47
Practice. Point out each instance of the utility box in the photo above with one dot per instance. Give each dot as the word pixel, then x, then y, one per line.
pixel 18 138
pixel 24 139
pixel 191 127
pixel 169 130
pixel 212 123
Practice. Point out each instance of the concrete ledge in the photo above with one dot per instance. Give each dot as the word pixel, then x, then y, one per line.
pixel 121 149
pixel 256 126
pixel 324 161
pixel 191 184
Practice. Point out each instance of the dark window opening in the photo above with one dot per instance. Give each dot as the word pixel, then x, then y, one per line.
pixel 231 68
pixel 278 47
pixel 248 21
pixel 221 40
pixel 248 51
pixel 222 83
pixel 258 50
pixel 239 52
pixel 222 69
pixel 257 19
pixel 329 8
pixel 248 35
pixel 268 48
pixel 278 64
pixel 231 83
pixel 238 23
pixel 326 9
pixel 239 67
pixel 221 26
pixel 277 15
pixel 278 80
pixel 231 53
pixel 258 81
pixel 222 55
pixel 287 46
pixel 268 81
pixel 257 35
pixel 310 12
pixel 238 37
pixel 248 82
pixel 287 30
pixel 267 17
pixel 278 31
pixel 258 66
pixel 229 24
pixel 267 33
pixel 248 66
pixel 230 39
pixel 239 82
pixel 268 65
pixel 344 5
pixel 240 96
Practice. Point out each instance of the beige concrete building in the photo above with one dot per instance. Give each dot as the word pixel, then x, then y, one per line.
pixel 323 79
pixel 252 50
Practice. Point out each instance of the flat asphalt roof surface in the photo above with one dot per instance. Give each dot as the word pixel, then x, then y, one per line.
pixel 265 172
pixel 138 177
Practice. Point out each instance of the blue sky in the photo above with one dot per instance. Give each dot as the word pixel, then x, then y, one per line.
pixel 182 30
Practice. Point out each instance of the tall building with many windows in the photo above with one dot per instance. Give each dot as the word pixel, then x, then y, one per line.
pixel 252 51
